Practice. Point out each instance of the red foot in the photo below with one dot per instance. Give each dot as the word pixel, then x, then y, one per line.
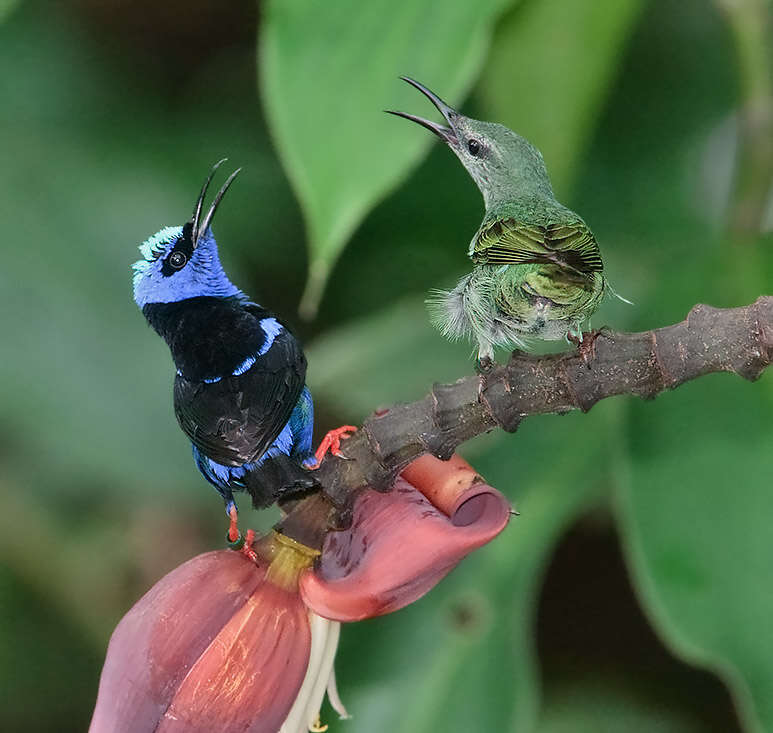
pixel 332 442
pixel 233 529
pixel 247 550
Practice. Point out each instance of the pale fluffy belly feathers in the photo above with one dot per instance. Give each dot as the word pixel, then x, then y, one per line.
pixel 512 305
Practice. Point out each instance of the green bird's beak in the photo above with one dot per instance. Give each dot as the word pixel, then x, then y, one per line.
pixel 446 134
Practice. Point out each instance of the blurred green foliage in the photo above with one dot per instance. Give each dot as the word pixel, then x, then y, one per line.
pixel 110 115
pixel 551 85
pixel 5 7
pixel 340 159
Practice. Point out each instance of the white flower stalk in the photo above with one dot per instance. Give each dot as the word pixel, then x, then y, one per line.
pixel 320 677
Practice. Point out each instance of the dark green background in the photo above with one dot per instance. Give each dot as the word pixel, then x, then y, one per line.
pixel 635 590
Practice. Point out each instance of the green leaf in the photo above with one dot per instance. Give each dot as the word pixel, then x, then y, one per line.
pixel 696 514
pixel 6 7
pixel 550 64
pixel 327 72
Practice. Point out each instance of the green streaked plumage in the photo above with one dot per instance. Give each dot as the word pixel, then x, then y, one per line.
pixel 537 269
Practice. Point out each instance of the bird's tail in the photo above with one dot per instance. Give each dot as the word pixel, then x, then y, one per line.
pixel 447 311
pixel 617 295
pixel 276 478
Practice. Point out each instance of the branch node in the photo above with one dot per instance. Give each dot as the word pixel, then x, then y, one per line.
pixel 496 395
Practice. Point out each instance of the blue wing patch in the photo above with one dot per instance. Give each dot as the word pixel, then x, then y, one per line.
pixel 272 328
pixel 207 380
pixel 244 366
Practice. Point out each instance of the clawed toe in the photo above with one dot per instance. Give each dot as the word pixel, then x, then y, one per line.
pixel 586 343
pixel 331 443
pixel 483 365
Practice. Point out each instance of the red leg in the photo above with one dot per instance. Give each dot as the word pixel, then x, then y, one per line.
pixel 233 529
pixel 235 537
pixel 247 548
pixel 332 442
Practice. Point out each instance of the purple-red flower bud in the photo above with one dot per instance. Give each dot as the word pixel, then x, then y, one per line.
pixel 226 644
pixel 401 544
pixel 213 646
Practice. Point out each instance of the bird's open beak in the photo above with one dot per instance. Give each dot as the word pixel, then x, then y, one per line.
pixel 199 225
pixel 446 134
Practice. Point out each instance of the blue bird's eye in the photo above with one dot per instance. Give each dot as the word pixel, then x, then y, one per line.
pixel 177 259
pixel 473 146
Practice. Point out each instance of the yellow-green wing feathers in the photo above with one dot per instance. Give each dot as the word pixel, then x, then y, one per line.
pixel 570 246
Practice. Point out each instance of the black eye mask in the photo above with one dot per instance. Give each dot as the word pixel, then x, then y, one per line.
pixel 180 255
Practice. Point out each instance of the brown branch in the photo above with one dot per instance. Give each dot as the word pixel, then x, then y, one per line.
pixel 738 340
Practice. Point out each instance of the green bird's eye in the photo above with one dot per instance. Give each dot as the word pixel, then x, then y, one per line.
pixel 177 260
pixel 473 146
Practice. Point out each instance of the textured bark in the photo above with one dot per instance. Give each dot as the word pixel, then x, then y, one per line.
pixel 738 340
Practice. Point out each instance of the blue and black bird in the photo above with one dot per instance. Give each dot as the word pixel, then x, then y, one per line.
pixel 239 392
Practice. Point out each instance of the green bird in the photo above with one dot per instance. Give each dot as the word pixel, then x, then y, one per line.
pixel 537 266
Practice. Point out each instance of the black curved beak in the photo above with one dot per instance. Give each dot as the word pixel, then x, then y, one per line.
pixel 446 134
pixel 199 225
